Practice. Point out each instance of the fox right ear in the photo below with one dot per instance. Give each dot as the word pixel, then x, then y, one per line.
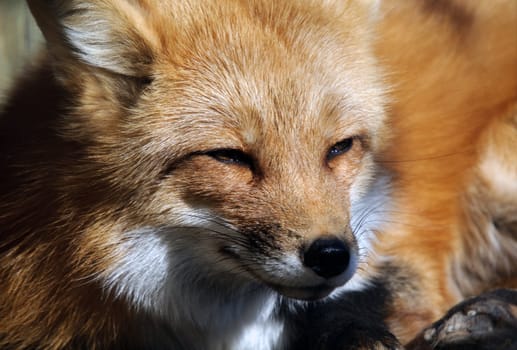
pixel 115 35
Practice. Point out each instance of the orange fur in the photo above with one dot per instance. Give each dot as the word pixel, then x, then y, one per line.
pixel 156 89
pixel 453 68
pixel 129 110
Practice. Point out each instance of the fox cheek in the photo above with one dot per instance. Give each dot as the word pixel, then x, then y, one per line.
pixel 202 183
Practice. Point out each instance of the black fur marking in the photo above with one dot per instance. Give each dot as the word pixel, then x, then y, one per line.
pixel 506 226
pixel 353 321
pixel 458 17
pixel 263 238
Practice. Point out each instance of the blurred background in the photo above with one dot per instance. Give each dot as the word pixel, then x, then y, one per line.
pixel 19 39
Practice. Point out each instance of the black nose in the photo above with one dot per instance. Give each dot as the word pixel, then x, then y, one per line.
pixel 328 257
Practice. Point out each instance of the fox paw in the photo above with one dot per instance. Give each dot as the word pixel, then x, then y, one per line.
pixel 485 322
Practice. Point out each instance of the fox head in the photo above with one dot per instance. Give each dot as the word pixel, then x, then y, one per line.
pixel 223 144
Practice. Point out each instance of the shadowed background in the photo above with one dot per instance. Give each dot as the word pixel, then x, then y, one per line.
pixel 19 40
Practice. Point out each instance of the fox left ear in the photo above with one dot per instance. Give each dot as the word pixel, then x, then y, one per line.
pixel 111 35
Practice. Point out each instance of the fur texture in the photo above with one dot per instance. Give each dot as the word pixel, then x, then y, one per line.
pixel 453 68
pixel 176 159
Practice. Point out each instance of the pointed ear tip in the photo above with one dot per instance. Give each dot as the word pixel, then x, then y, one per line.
pixel 38 6
pixel 40 10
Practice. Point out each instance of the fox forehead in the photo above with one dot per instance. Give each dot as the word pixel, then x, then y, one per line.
pixel 232 74
pixel 245 88
pixel 227 121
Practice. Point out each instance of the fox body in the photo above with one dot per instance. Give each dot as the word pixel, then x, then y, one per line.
pixel 209 174
pixel 187 173
pixel 454 199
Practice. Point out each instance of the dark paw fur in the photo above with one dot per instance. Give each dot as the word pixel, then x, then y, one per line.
pixel 357 339
pixel 486 322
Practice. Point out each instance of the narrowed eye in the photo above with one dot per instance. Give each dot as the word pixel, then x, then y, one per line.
pixel 231 156
pixel 340 148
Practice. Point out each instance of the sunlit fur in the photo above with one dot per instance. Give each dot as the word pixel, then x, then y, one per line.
pixel 119 225
pixel 453 70
pixel 117 228
pixel 486 246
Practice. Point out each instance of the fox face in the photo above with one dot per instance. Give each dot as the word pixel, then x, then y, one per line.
pixel 211 147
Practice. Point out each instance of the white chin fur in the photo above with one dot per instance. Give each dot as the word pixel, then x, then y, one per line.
pixel 157 271
pixel 178 276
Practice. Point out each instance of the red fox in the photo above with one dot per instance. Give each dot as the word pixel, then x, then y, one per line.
pixel 189 174
pixel 212 174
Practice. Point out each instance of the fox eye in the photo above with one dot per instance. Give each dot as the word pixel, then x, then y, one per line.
pixel 340 148
pixel 231 156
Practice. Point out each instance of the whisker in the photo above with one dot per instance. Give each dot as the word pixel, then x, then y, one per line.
pixel 428 158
